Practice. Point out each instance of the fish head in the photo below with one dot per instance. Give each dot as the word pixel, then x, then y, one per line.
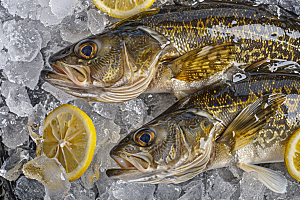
pixel 171 149
pixel 111 67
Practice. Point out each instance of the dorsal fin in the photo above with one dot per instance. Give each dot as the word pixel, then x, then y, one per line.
pixel 203 62
pixel 277 66
pixel 146 13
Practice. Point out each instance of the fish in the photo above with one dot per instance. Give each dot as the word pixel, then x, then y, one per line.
pixel 241 124
pixel 176 50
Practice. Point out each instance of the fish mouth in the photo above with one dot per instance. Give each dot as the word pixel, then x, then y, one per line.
pixel 140 161
pixel 78 75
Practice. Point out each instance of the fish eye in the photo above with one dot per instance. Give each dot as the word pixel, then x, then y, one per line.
pixel 205 124
pixel 87 50
pixel 145 137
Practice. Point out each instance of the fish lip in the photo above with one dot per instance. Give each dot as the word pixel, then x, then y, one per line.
pixel 67 72
pixel 129 161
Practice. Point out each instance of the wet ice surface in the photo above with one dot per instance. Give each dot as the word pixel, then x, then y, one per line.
pixel 30 31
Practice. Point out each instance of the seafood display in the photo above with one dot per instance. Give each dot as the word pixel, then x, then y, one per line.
pixel 184 100
pixel 177 50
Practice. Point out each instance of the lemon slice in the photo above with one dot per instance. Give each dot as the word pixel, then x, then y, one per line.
pixel 70 136
pixel 123 8
pixel 292 155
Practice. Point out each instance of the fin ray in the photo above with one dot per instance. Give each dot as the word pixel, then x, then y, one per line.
pixel 270 178
pixel 203 62
pixel 241 130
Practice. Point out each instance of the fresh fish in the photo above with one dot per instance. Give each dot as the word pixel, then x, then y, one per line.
pixel 176 50
pixel 241 124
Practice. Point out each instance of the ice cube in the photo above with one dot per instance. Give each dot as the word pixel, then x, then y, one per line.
pixel 25 73
pixel 22 8
pixel 51 173
pixel 62 8
pixel 47 17
pixel 57 93
pixel 107 110
pixel 23 41
pixel 167 191
pixel 74 28
pixel 218 188
pixel 192 190
pixel 17 98
pixel 14 130
pixel 251 188
pixel 12 167
pixel 107 133
pixel 77 191
pixel 96 21
pixel 133 113
pixel 128 191
pixel 29 189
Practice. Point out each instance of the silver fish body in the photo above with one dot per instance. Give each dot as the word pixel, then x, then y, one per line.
pixel 242 124
pixel 176 50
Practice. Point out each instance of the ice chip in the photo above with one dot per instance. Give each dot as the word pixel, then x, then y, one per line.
pixel 22 8
pixel 217 187
pixel 134 113
pixel 77 191
pixel 29 189
pixel 23 41
pixel 125 191
pixel 167 191
pixel 14 130
pixel 57 93
pixel 96 21
pixel 48 171
pixel 12 167
pixel 25 73
pixel 17 98
pixel 47 17
pixel 74 28
pixel 62 8
pixel 192 190
pixel 251 188
pixel 107 110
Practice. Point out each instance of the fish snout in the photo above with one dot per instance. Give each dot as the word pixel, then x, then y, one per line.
pixel 44 74
pixel 61 54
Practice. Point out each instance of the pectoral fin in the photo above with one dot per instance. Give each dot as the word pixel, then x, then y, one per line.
pixel 241 130
pixel 274 66
pixel 270 178
pixel 203 62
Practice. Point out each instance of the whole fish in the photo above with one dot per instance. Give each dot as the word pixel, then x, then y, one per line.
pixel 241 124
pixel 176 50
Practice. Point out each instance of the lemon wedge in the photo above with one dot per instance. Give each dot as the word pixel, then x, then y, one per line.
pixel 292 155
pixel 70 136
pixel 123 8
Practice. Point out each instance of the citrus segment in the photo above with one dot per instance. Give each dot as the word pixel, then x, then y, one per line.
pixel 70 136
pixel 292 155
pixel 123 8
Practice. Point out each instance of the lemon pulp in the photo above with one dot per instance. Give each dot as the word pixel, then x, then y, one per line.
pixel 292 155
pixel 70 136
pixel 123 8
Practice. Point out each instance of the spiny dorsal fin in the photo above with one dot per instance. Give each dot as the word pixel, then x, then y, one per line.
pixel 241 130
pixel 274 66
pixel 138 16
pixel 203 62
pixel 270 178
